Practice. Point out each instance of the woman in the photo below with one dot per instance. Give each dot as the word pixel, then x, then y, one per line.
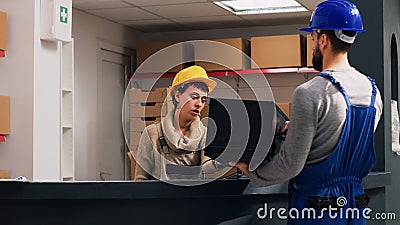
pixel 173 148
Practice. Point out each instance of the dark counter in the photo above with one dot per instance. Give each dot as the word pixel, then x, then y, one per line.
pixel 118 190
pixel 144 202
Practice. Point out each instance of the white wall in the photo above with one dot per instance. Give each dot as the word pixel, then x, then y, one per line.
pixel 16 81
pixel 46 106
pixel 30 76
pixel 88 31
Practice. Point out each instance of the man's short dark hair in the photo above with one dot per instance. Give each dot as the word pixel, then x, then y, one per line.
pixel 338 46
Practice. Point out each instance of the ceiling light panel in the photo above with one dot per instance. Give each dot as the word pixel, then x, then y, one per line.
pixel 244 7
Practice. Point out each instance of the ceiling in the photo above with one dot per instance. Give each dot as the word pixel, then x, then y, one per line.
pixel 182 15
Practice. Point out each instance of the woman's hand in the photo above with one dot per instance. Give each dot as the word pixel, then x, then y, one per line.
pixel 287 123
pixel 244 167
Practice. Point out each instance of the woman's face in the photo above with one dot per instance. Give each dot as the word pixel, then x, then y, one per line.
pixel 192 101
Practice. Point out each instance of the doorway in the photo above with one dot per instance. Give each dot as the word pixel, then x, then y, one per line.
pixel 112 161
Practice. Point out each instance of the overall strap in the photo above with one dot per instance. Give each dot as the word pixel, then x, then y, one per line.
pixel 163 142
pixel 373 97
pixel 337 84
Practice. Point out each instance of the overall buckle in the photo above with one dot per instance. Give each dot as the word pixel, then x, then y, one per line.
pixel 321 202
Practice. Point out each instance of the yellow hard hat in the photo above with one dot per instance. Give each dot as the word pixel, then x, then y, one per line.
pixel 192 74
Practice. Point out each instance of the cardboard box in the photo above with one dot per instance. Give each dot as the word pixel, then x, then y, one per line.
pixel 160 59
pixel 278 51
pixel 285 107
pixel 3 31
pixel 4 174
pixel 140 96
pixel 309 50
pixel 138 124
pixel 147 110
pixel 4 115
pixel 223 57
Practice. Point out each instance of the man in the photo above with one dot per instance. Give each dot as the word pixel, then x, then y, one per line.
pixel 329 146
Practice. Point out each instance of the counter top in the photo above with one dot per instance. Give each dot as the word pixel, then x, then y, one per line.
pixel 13 190
pixel 151 189
pixel 373 180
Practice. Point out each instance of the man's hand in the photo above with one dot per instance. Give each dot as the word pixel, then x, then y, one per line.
pixel 244 167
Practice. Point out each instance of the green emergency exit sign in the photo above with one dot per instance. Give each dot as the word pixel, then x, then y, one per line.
pixel 63 14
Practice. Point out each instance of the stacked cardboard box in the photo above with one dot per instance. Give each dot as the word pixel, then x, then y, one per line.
pixel 278 51
pixel 4 174
pixel 146 107
pixel 4 115
pixel 3 31
pixel 231 54
pixel 162 58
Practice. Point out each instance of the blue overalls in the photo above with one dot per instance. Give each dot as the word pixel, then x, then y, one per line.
pixel 337 180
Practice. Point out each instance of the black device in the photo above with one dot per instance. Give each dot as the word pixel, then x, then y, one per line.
pixel 240 129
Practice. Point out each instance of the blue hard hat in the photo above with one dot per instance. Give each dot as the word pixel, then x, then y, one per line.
pixel 336 15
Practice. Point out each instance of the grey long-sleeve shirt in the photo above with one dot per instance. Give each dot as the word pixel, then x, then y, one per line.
pixel 318 112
